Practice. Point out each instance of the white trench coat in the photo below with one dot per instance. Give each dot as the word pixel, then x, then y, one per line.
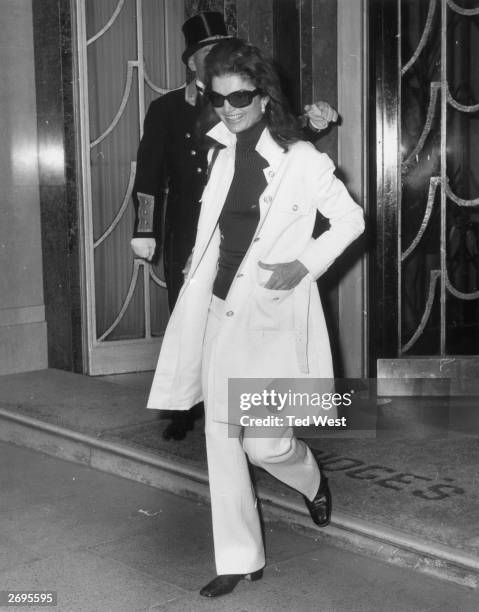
pixel 264 333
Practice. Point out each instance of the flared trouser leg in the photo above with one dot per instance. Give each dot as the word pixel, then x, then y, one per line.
pixel 237 533
pixel 236 526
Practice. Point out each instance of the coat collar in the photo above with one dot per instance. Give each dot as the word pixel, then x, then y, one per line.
pixel 268 148
pixel 266 145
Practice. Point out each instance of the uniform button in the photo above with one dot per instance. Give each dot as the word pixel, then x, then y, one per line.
pixel 295 207
pixel 193 152
pixel 271 174
pixel 187 135
pixel 256 239
pixel 199 170
pixel 230 313
pixel 239 275
pixel 268 199
pixel 275 299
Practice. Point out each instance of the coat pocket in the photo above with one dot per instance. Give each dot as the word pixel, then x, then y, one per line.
pixel 272 309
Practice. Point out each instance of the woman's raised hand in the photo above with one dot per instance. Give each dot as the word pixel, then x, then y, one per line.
pixel 320 115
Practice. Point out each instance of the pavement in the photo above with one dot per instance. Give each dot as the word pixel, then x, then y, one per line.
pixel 104 543
pixel 409 497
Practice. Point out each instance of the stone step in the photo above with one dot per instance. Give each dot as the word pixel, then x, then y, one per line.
pixel 184 478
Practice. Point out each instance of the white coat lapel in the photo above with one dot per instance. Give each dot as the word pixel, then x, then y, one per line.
pixel 222 176
pixel 216 190
pixel 269 149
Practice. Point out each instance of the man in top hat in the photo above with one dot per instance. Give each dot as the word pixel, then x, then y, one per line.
pixel 170 156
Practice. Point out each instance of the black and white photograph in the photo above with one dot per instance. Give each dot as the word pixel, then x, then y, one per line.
pixel 239 305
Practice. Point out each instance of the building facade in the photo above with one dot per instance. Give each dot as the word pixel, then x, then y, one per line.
pixel 80 75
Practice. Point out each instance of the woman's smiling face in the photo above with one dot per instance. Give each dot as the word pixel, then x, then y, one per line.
pixel 237 119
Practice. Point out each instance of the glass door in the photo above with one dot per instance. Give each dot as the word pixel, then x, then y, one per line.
pixel 427 182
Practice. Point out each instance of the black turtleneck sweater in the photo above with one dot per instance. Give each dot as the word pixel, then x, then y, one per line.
pixel 240 215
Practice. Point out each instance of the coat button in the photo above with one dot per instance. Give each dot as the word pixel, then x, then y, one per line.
pixel 199 170
pixel 230 313
pixel 268 199
pixel 271 174
pixel 256 239
pixel 239 275
pixel 295 207
pixel 187 135
pixel 192 152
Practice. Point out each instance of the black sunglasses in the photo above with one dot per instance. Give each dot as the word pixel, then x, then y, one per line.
pixel 238 99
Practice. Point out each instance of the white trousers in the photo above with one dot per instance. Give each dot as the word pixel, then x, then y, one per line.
pixel 237 534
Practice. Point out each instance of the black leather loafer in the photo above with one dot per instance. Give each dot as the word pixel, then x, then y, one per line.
pixel 225 583
pixel 178 428
pixel 320 507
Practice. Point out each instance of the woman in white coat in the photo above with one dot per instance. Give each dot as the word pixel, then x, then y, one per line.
pixel 250 307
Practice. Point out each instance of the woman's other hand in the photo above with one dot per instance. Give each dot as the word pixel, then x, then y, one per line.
pixel 284 275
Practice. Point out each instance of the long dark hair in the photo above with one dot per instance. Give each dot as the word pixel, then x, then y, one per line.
pixel 236 56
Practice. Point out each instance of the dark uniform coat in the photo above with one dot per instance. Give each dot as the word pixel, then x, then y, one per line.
pixel 169 156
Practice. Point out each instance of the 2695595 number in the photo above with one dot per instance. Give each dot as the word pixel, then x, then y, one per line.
pixel 26 598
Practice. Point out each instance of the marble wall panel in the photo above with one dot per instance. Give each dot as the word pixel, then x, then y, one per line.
pixel 20 241
pixel 230 14
pixel 227 7
pixel 255 23
pixel 325 66
pixel 197 6
pixel 287 49
pixel 58 181
pixel 22 324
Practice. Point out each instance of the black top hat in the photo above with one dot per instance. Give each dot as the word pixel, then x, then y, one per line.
pixel 201 30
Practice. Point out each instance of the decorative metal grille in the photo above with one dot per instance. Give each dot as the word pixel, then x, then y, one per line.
pixel 107 228
pixel 438 237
